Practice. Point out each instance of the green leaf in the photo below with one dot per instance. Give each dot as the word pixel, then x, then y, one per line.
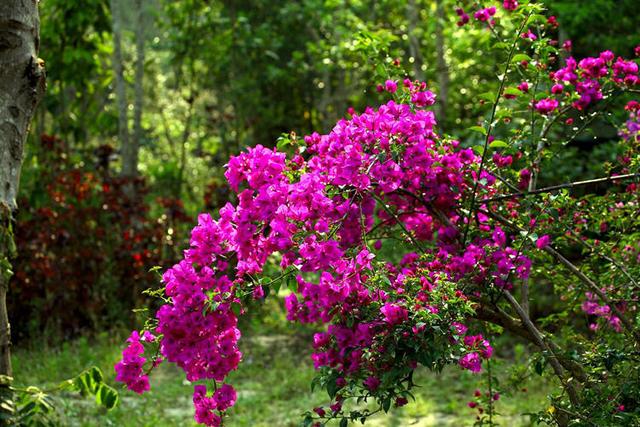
pixel 236 308
pixel 90 382
pixel 521 57
pixel 292 283
pixel 96 374
pixel 487 96
pixel 83 383
pixel 7 407
pixel 512 91
pixel 276 286
pixel 386 404
pixel 537 18
pixel 307 421
pixel 107 397
pixel 332 388
pixel 314 383
pixel 498 143
pixel 478 149
pixel 29 407
pixel 480 129
pixel 344 422
pixel 283 141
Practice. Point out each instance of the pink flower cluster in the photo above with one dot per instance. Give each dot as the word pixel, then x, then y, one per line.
pixel 592 307
pixel 479 349
pixel 130 369
pixel 546 106
pixel 394 314
pixel 484 15
pixel 204 346
pixel 206 406
pixel 510 4
pixel 631 127
pixel 588 77
pixel 463 17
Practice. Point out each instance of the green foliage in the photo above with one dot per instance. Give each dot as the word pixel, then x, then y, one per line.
pixel 76 47
pixel 34 407
pixel 91 382
pixel 588 25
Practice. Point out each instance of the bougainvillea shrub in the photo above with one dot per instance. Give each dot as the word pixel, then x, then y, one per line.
pixel 404 244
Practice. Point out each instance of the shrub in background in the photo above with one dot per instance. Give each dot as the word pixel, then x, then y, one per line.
pixel 86 244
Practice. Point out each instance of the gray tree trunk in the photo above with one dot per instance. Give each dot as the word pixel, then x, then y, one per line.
pixel 413 19
pixel 121 89
pixel 22 84
pixel 443 69
pixel 132 166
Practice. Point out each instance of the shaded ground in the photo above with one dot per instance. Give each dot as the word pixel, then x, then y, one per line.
pixel 273 385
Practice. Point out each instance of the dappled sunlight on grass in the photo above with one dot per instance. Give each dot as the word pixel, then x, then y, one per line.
pixel 272 383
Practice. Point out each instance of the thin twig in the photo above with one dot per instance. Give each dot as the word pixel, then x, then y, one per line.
pixel 553 188
pixel 400 223
pixel 593 249
pixel 595 289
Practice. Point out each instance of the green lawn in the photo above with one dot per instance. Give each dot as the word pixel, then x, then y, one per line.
pixel 272 383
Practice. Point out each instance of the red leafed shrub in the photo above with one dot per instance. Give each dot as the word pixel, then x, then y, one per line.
pixel 85 245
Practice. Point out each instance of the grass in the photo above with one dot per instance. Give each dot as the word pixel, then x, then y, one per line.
pixel 272 383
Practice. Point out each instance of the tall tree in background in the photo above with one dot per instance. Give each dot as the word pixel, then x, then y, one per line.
pixel 121 90
pixel 413 20
pixel 442 68
pixel 132 161
pixel 22 84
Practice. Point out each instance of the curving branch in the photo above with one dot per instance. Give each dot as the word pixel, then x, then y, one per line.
pixel 568 384
pixel 559 187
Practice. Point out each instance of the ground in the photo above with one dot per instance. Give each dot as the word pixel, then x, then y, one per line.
pixel 272 383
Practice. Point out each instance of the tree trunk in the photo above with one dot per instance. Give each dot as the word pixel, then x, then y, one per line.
pixel 414 43
pixel 443 69
pixel 139 91
pixel 22 84
pixel 121 90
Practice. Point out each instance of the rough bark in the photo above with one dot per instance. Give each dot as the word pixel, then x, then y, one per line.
pixel 22 84
pixel 120 88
